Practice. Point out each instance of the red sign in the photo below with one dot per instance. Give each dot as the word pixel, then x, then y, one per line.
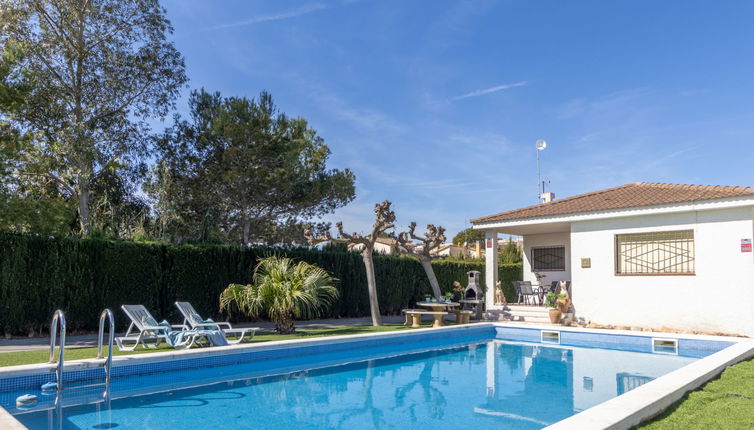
pixel 489 243
pixel 745 245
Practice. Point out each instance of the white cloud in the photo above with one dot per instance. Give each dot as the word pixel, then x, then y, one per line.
pixel 303 10
pixel 477 93
pixel 363 118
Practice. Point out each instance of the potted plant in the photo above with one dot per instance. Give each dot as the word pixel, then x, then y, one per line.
pixel 448 297
pixel 552 301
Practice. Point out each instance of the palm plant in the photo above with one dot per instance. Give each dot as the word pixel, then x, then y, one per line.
pixel 285 290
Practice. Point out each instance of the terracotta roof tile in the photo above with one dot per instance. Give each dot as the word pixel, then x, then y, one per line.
pixel 625 196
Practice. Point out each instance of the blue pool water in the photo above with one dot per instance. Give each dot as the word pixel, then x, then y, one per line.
pixel 473 382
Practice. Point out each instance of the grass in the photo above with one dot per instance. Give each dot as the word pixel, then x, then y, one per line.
pixel 725 403
pixel 71 353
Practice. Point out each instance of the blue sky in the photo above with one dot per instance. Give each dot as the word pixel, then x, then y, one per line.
pixel 436 105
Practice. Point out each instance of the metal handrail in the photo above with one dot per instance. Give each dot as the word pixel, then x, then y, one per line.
pixel 109 361
pixel 58 316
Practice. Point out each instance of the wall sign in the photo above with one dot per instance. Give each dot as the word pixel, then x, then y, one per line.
pixel 489 243
pixel 586 263
pixel 745 245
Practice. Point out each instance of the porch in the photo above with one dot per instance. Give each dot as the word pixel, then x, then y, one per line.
pixel 546 259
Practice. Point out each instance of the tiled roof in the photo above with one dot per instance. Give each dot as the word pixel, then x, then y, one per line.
pixel 625 196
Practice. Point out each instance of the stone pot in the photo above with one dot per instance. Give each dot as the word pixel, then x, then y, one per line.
pixel 555 315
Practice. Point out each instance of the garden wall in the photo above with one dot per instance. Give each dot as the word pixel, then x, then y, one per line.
pixel 84 276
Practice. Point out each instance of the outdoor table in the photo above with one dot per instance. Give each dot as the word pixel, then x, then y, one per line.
pixel 438 306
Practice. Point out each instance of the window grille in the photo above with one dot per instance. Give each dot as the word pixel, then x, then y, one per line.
pixel 548 258
pixel 667 252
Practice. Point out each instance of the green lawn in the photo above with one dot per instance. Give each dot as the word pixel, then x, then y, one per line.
pixel 725 403
pixel 41 356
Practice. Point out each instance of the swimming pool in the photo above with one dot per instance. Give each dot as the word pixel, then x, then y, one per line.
pixel 482 377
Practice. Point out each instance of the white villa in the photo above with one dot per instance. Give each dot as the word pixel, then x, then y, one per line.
pixel 643 255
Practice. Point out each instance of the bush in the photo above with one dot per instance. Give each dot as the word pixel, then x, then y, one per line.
pixel 84 276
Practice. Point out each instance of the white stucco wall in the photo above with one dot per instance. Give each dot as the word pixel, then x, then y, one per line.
pixel 548 239
pixel 718 298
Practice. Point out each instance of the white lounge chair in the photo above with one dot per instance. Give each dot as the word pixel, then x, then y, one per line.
pixel 193 320
pixel 152 333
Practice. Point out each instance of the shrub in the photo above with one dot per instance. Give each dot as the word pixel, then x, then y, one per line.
pixel 84 276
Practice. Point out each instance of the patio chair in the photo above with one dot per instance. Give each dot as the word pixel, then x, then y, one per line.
pixel 527 291
pixel 152 333
pixel 192 319
pixel 553 288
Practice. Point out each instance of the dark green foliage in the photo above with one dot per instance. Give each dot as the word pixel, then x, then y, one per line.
pixel 507 273
pixel 83 276
pixel 468 237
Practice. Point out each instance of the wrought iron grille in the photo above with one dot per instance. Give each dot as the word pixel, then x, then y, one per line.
pixel 548 258
pixel 667 252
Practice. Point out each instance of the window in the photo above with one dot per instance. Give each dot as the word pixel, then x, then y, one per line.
pixel 547 258
pixel 660 253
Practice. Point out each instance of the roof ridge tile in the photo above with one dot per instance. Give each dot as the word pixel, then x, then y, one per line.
pixel 637 194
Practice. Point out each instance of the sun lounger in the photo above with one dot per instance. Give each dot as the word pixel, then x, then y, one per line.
pixel 193 320
pixel 151 333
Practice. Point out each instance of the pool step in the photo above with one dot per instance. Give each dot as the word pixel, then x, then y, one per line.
pixel 519 313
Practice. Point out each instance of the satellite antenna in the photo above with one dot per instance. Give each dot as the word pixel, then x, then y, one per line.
pixel 541 145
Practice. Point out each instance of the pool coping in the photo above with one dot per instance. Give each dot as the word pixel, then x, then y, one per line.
pixel 129 360
pixel 622 412
pixel 649 400
pixel 9 422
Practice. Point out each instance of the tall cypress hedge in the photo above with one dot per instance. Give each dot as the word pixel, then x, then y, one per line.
pixel 84 276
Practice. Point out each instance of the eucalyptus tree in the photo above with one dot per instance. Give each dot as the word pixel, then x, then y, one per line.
pixel 27 204
pixel 240 166
pixel 96 70
pixel 384 221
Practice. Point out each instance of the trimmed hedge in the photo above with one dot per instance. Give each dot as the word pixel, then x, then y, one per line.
pixel 84 276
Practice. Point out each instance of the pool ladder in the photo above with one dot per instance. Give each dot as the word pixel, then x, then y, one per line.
pixel 59 317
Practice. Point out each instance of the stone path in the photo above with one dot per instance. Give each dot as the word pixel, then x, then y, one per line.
pixel 37 343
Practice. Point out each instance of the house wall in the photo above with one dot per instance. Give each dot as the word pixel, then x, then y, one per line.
pixel 718 298
pixel 548 239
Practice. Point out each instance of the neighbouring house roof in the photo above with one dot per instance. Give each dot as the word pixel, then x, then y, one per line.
pixel 625 196
pixel 381 240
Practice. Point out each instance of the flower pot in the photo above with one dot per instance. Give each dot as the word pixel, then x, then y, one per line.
pixel 555 315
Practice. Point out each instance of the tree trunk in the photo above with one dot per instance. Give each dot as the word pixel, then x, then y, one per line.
pixel 84 194
pixel 285 324
pixel 374 306
pixel 246 228
pixel 427 265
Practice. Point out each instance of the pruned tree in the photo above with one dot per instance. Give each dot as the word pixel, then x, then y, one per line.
pixel 432 239
pixel 384 221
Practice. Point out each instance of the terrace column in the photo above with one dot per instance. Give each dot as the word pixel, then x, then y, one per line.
pixel 490 267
